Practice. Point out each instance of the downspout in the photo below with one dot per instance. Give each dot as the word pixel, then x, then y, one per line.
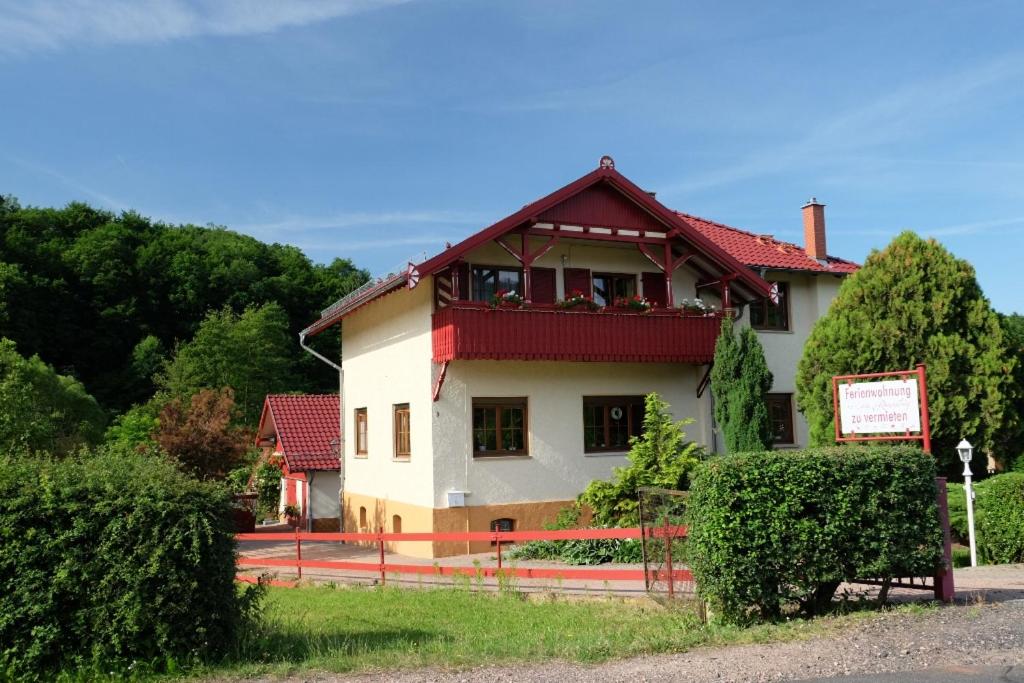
pixel 309 500
pixel 341 425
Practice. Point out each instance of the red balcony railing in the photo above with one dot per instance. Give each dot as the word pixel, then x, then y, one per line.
pixel 477 332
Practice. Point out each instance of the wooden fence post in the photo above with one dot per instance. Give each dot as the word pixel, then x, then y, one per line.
pixel 298 552
pixel 944 588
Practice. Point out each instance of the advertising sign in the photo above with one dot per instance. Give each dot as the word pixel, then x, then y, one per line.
pixel 882 406
pixel 886 407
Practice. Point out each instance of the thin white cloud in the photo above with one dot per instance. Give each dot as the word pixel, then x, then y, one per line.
pixel 973 228
pixel 904 113
pixel 37 25
pixel 433 242
pixel 106 200
pixel 360 219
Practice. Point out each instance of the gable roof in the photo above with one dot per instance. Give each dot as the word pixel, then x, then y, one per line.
pixel 634 207
pixel 764 251
pixel 305 425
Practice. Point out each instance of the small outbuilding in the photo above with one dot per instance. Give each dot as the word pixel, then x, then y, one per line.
pixel 301 433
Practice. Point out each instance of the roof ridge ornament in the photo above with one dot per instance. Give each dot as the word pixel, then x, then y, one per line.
pixel 606 162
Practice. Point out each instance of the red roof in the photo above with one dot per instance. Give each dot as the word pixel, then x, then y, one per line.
pixel 764 251
pixel 305 425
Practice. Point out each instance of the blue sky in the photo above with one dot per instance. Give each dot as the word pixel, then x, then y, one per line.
pixel 377 130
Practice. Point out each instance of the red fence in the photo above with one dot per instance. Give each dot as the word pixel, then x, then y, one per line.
pixel 498 538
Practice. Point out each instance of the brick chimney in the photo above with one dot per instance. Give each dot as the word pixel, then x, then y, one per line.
pixel 814 229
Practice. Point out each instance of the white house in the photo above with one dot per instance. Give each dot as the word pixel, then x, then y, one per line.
pixel 299 433
pixel 460 414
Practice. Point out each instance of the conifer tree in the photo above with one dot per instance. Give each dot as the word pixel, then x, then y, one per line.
pixel 914 302
pixel 740 380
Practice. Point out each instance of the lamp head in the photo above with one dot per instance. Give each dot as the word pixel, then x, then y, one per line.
pixel 965 451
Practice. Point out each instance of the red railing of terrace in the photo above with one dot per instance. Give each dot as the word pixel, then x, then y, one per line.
pixel 477 332
pixel 668 575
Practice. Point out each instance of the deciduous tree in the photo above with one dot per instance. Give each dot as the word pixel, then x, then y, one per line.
pixel 41 410
pixel 199 433
pixel 252 353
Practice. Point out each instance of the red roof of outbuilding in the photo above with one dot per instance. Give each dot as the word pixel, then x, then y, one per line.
pixel 764 251
pixel 305 425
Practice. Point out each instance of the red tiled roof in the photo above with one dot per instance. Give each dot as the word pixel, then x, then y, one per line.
pixel 305 426
pixel 764 251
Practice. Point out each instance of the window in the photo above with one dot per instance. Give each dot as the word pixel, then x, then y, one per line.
pixel 609 287
pixel 362 517
pixel 396 524
pixel 766 316
pixel 499 426
pixel 361 431
pixel 503 524
pixel 488 280
pixel 780 412
pixel 609 422
pixel 402 445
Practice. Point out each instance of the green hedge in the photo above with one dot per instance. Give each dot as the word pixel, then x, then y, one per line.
pixel 113 562
pixel 1000 519
pixel 769 530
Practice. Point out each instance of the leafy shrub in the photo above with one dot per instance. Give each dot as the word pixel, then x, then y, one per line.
pixel 771 529
pixel 661 458
pixel 1000 519
pixel 115 560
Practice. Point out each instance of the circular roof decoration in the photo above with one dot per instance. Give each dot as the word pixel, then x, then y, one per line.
pixel 412 276
pixel 607 162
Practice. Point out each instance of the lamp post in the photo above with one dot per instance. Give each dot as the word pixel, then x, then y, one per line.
pixel 965 451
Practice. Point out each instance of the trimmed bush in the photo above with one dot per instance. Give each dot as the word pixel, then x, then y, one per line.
pixel 113 562
pixel 770 530
pixel 1000 519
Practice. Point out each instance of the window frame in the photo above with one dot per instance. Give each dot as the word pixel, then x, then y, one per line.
pixel 473 268
pixel 398 410
pixel 498 404
pixel 613 276
pixel 785 400
pixel 362 437
pixel 762 307
pixel 608 402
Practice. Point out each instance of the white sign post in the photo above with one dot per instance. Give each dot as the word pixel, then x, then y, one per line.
pixel 885 407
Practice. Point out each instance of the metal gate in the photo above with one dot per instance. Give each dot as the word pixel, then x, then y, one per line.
pixel 663 534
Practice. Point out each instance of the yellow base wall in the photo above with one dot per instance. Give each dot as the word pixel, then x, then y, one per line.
pixel 380 513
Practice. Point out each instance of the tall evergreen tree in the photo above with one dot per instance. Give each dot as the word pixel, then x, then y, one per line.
pixel 740 381
pixel 914 302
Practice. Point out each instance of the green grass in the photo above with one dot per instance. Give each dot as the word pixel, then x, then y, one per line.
pixel 359 629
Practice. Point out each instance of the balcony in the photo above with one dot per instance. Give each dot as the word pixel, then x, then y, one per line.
pixel 466 331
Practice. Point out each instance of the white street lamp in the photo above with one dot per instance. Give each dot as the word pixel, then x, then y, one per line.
pixel 966 451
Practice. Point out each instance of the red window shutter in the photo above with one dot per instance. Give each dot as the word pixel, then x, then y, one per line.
pixel 578 279
pixel 542 285
pixel 461 271
pixel 654 288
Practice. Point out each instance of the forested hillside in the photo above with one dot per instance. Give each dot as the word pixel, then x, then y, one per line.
pixel 107 298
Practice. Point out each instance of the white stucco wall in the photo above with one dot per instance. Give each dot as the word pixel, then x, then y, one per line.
pixel 809 299
pixel 323 495
pixel 557 468
pixel 386 353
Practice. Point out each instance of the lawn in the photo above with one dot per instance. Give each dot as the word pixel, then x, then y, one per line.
pixel 359 629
